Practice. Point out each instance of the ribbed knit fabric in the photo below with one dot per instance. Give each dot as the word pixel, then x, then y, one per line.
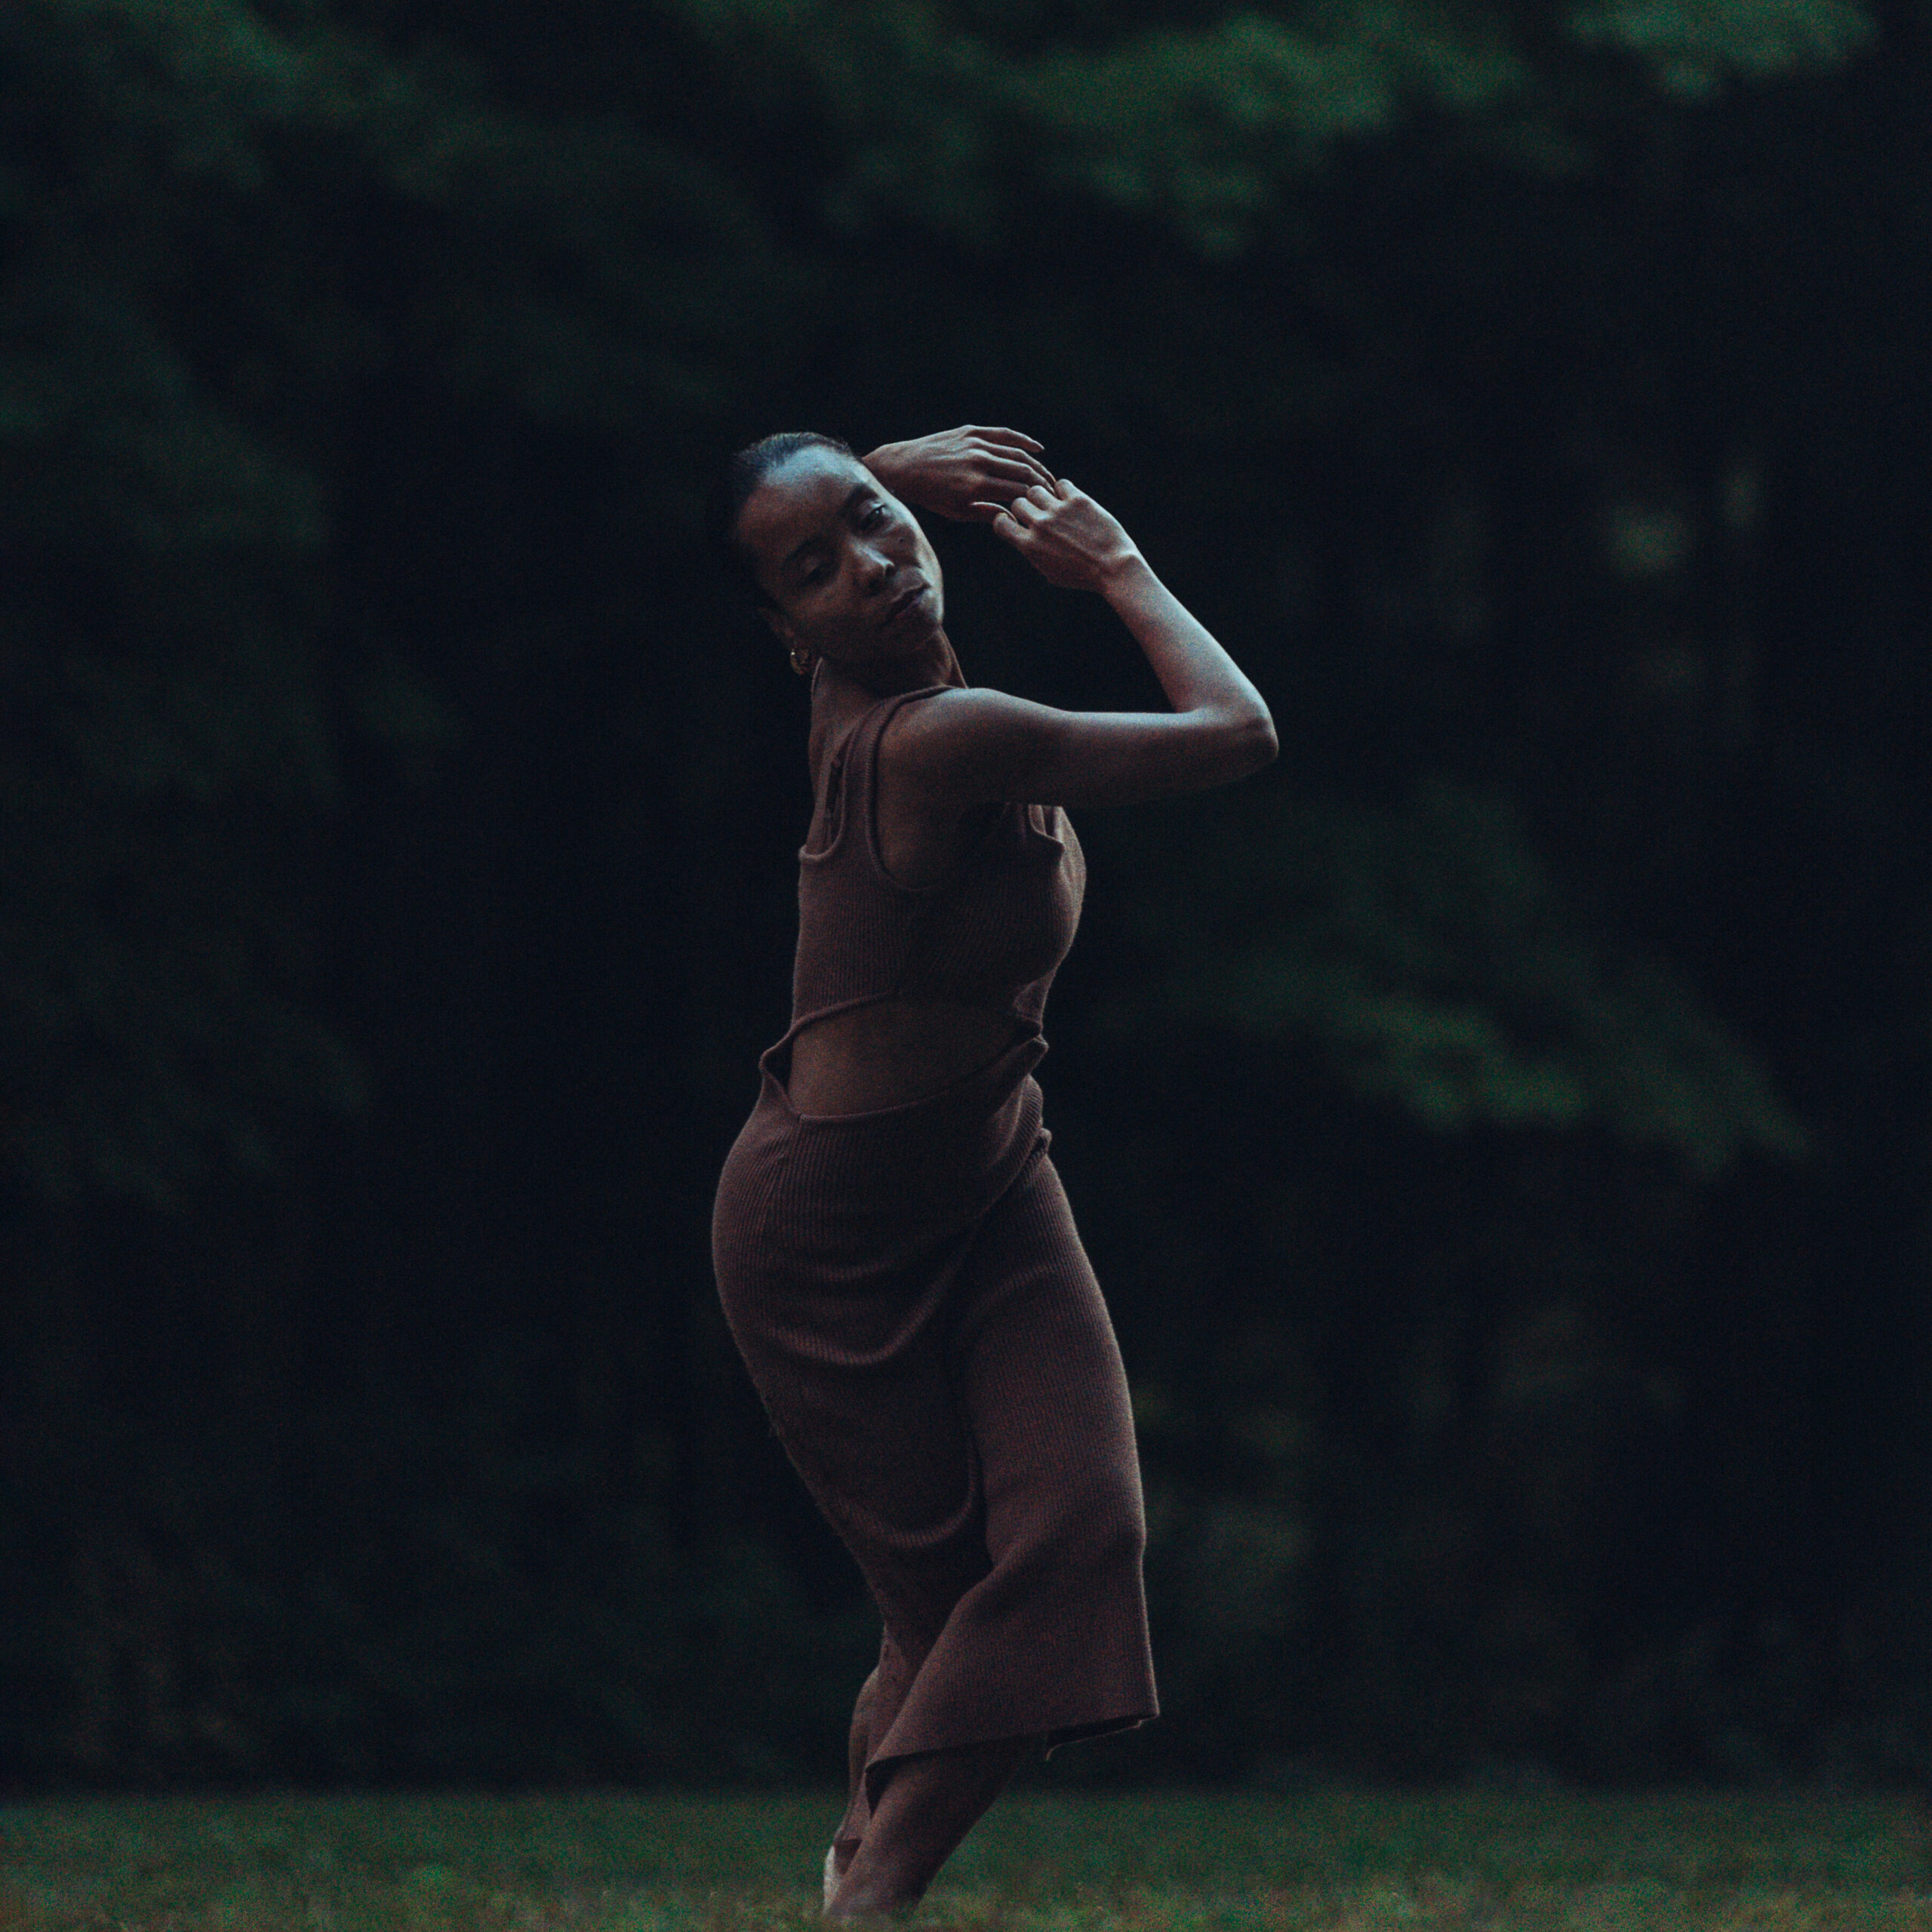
pixel 913 1303
pixel 991 934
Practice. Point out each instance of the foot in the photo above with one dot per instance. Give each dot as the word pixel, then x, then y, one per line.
pixel 837 1862
pixel 869 1905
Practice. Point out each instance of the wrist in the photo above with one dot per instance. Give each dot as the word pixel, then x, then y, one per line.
pixel 1125 575
pixel 884 462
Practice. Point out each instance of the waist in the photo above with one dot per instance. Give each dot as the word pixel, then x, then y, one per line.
pixel 893 1051
pixel 878 1189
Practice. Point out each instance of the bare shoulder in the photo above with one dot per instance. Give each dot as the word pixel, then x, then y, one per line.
pixel 971 714
pixel 962 747
pixel 934 743
pixel 952 708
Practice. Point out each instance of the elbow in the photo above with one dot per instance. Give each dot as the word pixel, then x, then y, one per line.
pixel 1255 744
pixel 1230 746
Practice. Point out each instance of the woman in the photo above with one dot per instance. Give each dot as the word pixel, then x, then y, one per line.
pixel 894 1253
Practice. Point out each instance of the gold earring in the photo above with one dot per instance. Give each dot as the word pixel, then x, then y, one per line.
pixel 801 660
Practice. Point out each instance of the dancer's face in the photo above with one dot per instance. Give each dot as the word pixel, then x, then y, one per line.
pixel 836 555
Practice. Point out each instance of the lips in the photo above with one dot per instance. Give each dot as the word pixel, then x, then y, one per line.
pixel 903 602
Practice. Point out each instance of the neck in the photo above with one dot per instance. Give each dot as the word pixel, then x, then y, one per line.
pixel 934 663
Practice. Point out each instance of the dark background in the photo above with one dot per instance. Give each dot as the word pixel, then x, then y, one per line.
pixel 1501 1127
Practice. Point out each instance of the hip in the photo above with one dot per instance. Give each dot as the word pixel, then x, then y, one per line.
pixel 844 1189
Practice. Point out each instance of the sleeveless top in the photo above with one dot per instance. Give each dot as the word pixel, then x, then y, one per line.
pixel 990 934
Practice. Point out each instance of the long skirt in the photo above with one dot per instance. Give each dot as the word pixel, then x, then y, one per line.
pixel 917 1313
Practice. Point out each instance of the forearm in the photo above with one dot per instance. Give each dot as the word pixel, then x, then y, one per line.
pixel 955 473
pixel 1194 672
pixel 886 463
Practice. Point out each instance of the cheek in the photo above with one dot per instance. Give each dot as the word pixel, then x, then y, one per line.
pixel 819 608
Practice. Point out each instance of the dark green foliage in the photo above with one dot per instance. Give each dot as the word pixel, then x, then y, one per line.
pixel 1500 1129
pixel 169 742
pixel 374 1594
pixel 1426 953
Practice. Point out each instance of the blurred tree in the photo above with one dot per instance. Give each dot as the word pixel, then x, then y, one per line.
pixel 187 315
pixel 373 737
pixel 1426 952
pixel 167 736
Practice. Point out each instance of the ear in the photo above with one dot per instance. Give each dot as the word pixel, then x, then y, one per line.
pixel 781 625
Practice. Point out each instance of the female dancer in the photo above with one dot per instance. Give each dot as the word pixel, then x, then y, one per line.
pixel 894 1253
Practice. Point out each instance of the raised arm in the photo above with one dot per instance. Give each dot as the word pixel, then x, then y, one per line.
pixel 965 747
pixel 953 473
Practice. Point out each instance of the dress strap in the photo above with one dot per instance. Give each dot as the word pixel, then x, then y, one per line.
pixel 860 754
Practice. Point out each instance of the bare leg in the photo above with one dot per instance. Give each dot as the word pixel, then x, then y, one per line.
pixel 930 1803
pixel 857 1749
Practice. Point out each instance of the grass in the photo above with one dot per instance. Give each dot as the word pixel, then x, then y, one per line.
pixel 623 1861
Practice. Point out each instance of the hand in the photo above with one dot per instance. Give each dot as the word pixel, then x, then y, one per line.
pixel 947 472
pixel 1065 535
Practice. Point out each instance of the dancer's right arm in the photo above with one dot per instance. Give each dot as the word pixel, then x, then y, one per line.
pixel 962 747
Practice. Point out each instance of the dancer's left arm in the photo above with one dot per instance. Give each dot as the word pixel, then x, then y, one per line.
pixel 961 474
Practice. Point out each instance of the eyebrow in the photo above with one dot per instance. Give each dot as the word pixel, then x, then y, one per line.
pixel 857 491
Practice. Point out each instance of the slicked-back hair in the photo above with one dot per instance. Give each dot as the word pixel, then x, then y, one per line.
pixel 747 469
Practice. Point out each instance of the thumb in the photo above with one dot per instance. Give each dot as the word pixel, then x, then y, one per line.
pixel 1001 518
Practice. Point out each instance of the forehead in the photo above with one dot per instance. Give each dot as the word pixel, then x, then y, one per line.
pixel 797 498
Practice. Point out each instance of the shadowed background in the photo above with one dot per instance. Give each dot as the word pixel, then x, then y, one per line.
pixel 1501 1128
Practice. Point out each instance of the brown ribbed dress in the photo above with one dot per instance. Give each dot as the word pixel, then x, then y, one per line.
pixel 916 1310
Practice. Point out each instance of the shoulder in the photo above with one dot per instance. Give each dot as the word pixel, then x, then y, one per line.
pixel 842 715
pixel 929 721
pixel 967 743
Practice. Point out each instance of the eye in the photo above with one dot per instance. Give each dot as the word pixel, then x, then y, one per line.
pixel 877 510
